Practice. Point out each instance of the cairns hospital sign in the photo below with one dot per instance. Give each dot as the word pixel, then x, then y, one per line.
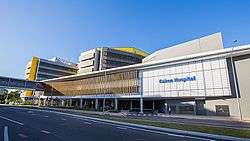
pixel 174 80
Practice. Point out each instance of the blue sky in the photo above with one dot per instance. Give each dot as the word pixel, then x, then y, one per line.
pixel 65 28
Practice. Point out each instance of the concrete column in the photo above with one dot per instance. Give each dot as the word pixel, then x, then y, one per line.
pixel 70 102
pixel 166 107
pixel 195 109
pixel 51 102
pixel 85 102
pixel 153 105
pixel 63 103
pixel 44 102
pixel 131 105
pixel 116 104
pixel 76 104
pixel 103 104
pixel 177 109
pixel 39 102
pixel 81 103
pixel 96 104
pixel 66 103
pixel 141 105
pixel 199 107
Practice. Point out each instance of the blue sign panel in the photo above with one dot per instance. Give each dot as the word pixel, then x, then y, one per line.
pixel 183 79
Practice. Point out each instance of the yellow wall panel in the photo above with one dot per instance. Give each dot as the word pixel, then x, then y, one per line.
pixel 133 50
pixel 32 74
pixel 33 69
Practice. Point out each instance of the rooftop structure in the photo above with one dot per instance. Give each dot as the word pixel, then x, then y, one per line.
pixel 105 58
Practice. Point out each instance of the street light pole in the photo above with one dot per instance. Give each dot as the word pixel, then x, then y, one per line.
pixel 235 84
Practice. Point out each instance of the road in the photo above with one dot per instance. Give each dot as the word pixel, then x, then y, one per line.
pixel 30 125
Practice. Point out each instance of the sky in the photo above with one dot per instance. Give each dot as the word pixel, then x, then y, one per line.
pixel 65 28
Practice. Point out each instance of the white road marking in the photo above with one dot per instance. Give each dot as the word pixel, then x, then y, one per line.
pixel 46 116
pixel 87 123
pixel 63 119
pixel 122 128
pixel 30 112
pixel 176 135
pixel 22 135
pixel 44 131
pixel 11 120
pixel 6 134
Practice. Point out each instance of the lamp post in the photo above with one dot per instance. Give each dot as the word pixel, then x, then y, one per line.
pixel 234 77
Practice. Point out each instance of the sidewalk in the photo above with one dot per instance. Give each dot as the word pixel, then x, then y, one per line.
pixel 181 119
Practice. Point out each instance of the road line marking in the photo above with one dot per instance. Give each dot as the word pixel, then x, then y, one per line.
pixel 46 116
pixel 11 120
pixel 22 135
pixel 176 135
pixel 122 128
pixel 63 119
pixel 88 123
pixel 6 134
pixel 44 131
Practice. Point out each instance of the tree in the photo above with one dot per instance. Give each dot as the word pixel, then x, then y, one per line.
pixel 3 94
pixel 14 96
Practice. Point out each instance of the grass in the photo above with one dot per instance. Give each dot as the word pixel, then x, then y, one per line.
pixel 241 133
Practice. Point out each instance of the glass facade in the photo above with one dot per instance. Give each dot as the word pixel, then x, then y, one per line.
pixel 116 83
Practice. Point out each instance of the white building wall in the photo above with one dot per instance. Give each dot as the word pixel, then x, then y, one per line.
pixel 88 61
pixel 210 106
pixel 204 44
pixel 208 78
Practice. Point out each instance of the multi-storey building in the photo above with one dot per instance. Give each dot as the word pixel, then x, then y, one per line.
pixel 106 58
pixel 198 77
pixel 41 69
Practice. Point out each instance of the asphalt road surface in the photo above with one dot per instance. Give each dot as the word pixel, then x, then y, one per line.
pixel 30 125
